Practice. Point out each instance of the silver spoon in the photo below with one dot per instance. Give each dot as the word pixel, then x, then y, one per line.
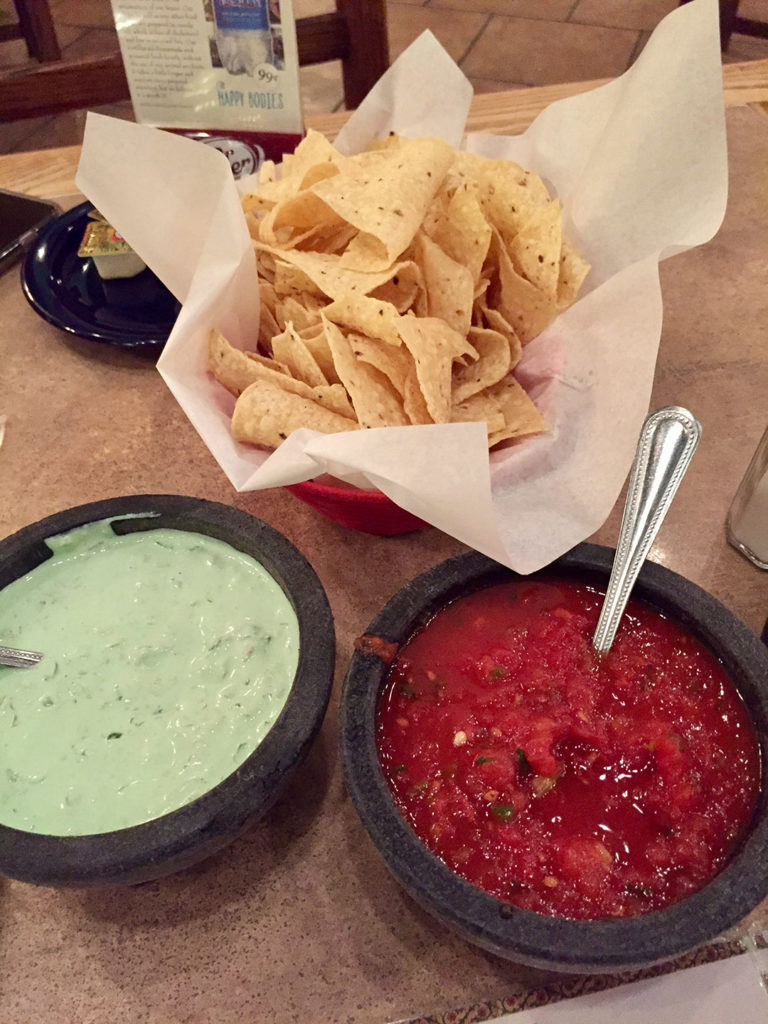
pixel 667 441
pixel 15 658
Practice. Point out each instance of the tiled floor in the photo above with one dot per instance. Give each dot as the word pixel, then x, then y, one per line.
pixel 500 44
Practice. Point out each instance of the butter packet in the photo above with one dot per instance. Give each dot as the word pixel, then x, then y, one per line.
pixel 109 251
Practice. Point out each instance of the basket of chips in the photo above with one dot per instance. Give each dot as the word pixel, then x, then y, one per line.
pixel 397 287
pixel 466 325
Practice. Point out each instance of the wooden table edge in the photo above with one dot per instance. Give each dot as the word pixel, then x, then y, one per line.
pixel 51 172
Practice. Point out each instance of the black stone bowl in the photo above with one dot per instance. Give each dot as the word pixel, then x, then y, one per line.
pixel 599 946
pixel 191 833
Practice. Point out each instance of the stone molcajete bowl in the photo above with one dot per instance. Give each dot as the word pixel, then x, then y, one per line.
pixel 549 943
pixel 189 834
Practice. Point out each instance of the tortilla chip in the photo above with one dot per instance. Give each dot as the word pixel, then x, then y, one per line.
pixel 528 309
pixel 334 397
pixel 365 315
pixel 460 228
pixel 317 342
pixel 489 368
pixel 299 311
pixel 434 346
pixel 291 350
pixel 521 417
pixel 265 265
pixel 413 399
pixel 493 319
pixel 403 289
pixel 313 149
pixel 269 323
pixel 385 195
pixel 292 280
pixel 573 269
pixel 302 211
pixel 323 273
pixel 506 192
pixel 236 370
pixel 266 414
pixel 255 202
pixel 535 249
pixel 448 285
pixel 325 239
pixel 395 363
pixel 319 172
pixel 267 172
pixel 376 403
pixel 480 408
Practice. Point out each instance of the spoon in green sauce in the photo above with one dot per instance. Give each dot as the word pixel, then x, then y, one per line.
pixel 14 658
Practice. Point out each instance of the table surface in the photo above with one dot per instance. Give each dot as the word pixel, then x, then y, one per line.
pixel 299 919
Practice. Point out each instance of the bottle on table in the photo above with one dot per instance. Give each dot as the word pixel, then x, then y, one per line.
pixel 747 520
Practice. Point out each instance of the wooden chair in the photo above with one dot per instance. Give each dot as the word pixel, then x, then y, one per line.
pixel 731 22
pixel 35 27
pixel 355 33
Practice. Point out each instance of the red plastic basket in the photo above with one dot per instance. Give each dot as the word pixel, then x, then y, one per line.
pixel 367 511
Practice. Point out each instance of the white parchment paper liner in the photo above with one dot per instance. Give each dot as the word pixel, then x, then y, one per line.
pixel 640 166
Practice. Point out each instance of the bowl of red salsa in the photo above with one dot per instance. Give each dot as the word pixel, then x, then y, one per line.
pixel 564 809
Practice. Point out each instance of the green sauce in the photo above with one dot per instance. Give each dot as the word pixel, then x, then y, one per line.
pixel 168 657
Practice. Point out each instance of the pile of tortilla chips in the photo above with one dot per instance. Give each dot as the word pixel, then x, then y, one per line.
pixel 397 286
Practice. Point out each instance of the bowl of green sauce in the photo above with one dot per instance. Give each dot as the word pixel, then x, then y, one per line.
pixel 188 662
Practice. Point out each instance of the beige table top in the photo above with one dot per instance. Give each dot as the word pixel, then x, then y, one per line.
pixel 299 920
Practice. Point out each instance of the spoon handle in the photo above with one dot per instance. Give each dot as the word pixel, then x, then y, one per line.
pixel 15 658
pixel 668 439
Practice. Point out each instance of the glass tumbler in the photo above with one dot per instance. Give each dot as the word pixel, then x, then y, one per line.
pixel 747 520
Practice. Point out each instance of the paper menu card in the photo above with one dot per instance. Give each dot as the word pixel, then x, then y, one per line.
pixel 714 993
pixel 641 169
pixel 225 72
pixel 226 64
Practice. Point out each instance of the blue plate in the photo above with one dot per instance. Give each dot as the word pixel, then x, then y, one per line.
pixel 66 290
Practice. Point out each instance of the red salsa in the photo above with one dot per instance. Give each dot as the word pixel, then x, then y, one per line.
pixel 563 781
